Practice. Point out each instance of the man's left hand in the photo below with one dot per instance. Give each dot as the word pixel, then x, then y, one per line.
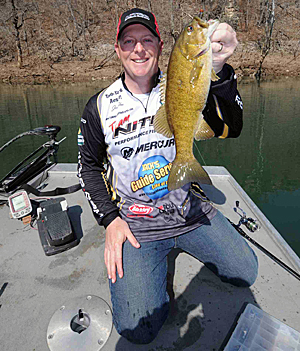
pixel 223 42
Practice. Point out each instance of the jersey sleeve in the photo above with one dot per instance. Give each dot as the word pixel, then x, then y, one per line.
pixel 91 165
pixel 224 108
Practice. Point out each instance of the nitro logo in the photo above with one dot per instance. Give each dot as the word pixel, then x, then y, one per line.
pixel 140 209
pixel 131 127
pixel 115 125
pixel 127 152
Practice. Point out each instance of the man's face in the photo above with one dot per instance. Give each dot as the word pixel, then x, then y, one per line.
pixel 139 51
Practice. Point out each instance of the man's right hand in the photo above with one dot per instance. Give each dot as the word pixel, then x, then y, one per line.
pixel 116 234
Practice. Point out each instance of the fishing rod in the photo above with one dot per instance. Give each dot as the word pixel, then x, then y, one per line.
pixel 252 225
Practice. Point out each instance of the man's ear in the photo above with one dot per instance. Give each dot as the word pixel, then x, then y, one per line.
pixel 117 49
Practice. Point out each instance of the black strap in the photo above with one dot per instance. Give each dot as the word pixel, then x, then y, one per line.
pixel 55 192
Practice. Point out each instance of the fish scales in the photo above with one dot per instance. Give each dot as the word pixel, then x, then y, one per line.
pixel 188 81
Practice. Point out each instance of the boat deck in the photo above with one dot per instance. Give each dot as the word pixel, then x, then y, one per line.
pixel 34 286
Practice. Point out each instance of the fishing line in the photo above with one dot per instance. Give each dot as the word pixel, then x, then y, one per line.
pixel 194 142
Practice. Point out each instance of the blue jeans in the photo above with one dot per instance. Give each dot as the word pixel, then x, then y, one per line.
pixel 140 300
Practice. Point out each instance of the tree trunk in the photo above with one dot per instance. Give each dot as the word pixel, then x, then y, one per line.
pixel 17 26
pixel 269 25
pixel 19 51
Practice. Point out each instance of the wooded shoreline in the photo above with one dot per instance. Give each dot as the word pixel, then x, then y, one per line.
pixel 62 41
pixel 76 71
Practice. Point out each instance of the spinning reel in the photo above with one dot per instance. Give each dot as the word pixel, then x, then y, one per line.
pixel 252 224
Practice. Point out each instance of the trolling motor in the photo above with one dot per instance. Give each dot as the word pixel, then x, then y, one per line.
pixel 24 172
pixel 51 215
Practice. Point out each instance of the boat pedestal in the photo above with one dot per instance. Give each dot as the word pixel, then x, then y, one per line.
pixel 83 323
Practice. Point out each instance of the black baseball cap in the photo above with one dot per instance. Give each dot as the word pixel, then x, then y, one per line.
pixel 138 16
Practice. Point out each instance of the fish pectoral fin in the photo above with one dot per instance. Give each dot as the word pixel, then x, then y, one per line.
pixel 203 131
pixel 196 71
pixel 161 124
pixel 214 76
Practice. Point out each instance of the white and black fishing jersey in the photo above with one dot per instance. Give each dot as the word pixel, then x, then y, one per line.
pixel 124 164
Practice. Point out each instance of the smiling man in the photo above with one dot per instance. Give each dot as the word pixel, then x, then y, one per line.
pixel 143 220
pixel 138 46
pixel 139 50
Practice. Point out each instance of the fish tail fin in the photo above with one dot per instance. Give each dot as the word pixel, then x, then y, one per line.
pixel 185 172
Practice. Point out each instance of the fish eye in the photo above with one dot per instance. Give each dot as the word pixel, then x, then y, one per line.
pixel 190 29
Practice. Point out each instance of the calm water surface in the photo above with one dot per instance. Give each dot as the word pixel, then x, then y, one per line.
pixel 264 159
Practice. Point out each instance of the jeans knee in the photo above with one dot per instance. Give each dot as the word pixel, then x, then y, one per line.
pixel 139 337
pixel 252 271
pixel 246 278
pixel 146 329
pixel 252 276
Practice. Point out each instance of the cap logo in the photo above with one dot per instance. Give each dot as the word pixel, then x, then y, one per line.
pixel 136 14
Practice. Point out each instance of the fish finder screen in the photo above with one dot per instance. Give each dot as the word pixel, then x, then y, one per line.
pixel 18 202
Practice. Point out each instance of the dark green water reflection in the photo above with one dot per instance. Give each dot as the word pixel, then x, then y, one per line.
pixel 264 159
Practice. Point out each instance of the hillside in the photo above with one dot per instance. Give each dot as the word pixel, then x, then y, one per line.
pixel 58 41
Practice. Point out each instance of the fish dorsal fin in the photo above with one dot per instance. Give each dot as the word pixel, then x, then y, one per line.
pixel 196 71
pixel 162 88
pixel 203 131
pixel 161 124
pixel 214 76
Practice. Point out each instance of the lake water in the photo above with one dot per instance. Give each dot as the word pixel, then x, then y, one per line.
pixel 264 159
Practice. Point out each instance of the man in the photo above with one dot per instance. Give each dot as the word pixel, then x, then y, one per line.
pixel 143 220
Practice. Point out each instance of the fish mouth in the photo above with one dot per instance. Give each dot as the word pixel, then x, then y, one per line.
pixel 211 25
pixel 202 23
pixel 202 52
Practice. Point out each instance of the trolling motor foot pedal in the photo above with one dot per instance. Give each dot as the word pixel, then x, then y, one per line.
pixel 54 226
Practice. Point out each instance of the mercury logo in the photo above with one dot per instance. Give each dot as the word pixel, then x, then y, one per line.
pixel 127 152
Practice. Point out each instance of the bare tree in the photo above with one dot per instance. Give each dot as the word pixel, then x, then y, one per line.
pixel 265 44
pixel 56 30
pixel 18 21
pixel 14 23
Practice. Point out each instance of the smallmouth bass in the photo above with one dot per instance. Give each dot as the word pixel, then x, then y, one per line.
pixel 184 94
